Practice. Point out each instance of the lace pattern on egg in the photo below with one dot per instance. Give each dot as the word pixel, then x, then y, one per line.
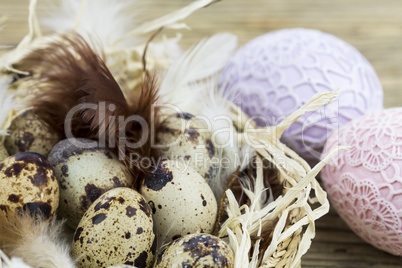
pixel 365 182
pixel 278 72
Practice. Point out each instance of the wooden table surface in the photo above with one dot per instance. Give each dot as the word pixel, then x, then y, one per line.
pixel 374 27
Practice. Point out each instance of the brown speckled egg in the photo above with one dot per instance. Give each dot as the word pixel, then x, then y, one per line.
pixel 181 200
pixel 29 134
pixel 117 228
pixel 3 153
pixel 185 137
pixel 28 183
pixel 84 174
pixel 196 250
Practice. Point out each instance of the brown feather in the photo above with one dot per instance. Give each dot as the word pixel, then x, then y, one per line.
pixel 58 70
pixel 69 73
pixel 142 105
pixel 99 86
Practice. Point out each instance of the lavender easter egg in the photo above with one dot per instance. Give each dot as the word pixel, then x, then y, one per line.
pixel 276 73
pixel 364 183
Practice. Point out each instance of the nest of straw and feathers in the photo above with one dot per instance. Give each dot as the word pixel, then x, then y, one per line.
pixel 266 212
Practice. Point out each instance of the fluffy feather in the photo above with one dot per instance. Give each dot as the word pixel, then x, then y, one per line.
pixel 37 242
pixel 6 102
pixel 58 71
pixel 106 20
pixel 201 62
pixel 215 105
pixel 13 263
pixel 140 107
pixel 69 73
pixel 190 84
pixel 6 98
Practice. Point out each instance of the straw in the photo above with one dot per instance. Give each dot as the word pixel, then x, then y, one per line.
pixel 295 226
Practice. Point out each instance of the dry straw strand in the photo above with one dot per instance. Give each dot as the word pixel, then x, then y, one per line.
pixel 292 210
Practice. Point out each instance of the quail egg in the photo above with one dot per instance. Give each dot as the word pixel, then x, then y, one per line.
pixel 196 250
pixel 181 200
pixel 85 172
pixel 118 228
pixel 183 136
pixel 30 134
pixel 28 183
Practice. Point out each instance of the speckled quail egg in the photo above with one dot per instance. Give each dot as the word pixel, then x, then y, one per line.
pixel 28 183
pixel 3 153
pixel 181 200
pixel 118 228
pixel 196 250
pixel 182 136
pixel 30 134
pixel 85 172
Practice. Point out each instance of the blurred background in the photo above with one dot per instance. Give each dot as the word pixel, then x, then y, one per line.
pixel 373 27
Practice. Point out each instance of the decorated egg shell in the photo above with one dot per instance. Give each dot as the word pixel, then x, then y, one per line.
pixel 195 250
pixel 28 183
pixel 116 229
pixel 275 74
pixel 181 200
pixel 182 136
pixel 85 172
pixel 364 183
pixel 30 134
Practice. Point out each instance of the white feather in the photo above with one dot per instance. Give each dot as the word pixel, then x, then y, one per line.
pixel 171 20
pixel 18 263
pixel 207 58
pixel 6 102
pixel 165 51
pixel 105 20
pixel 38 243
pixel 190 84
pixel 13 263
pixel 215 106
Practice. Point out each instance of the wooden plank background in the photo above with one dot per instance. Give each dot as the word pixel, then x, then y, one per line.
pixel 374 27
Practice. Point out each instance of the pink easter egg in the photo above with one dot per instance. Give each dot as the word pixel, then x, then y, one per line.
pixel 364 183
pixel 276 73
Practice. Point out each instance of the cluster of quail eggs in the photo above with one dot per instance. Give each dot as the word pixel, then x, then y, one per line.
pixel 166 222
